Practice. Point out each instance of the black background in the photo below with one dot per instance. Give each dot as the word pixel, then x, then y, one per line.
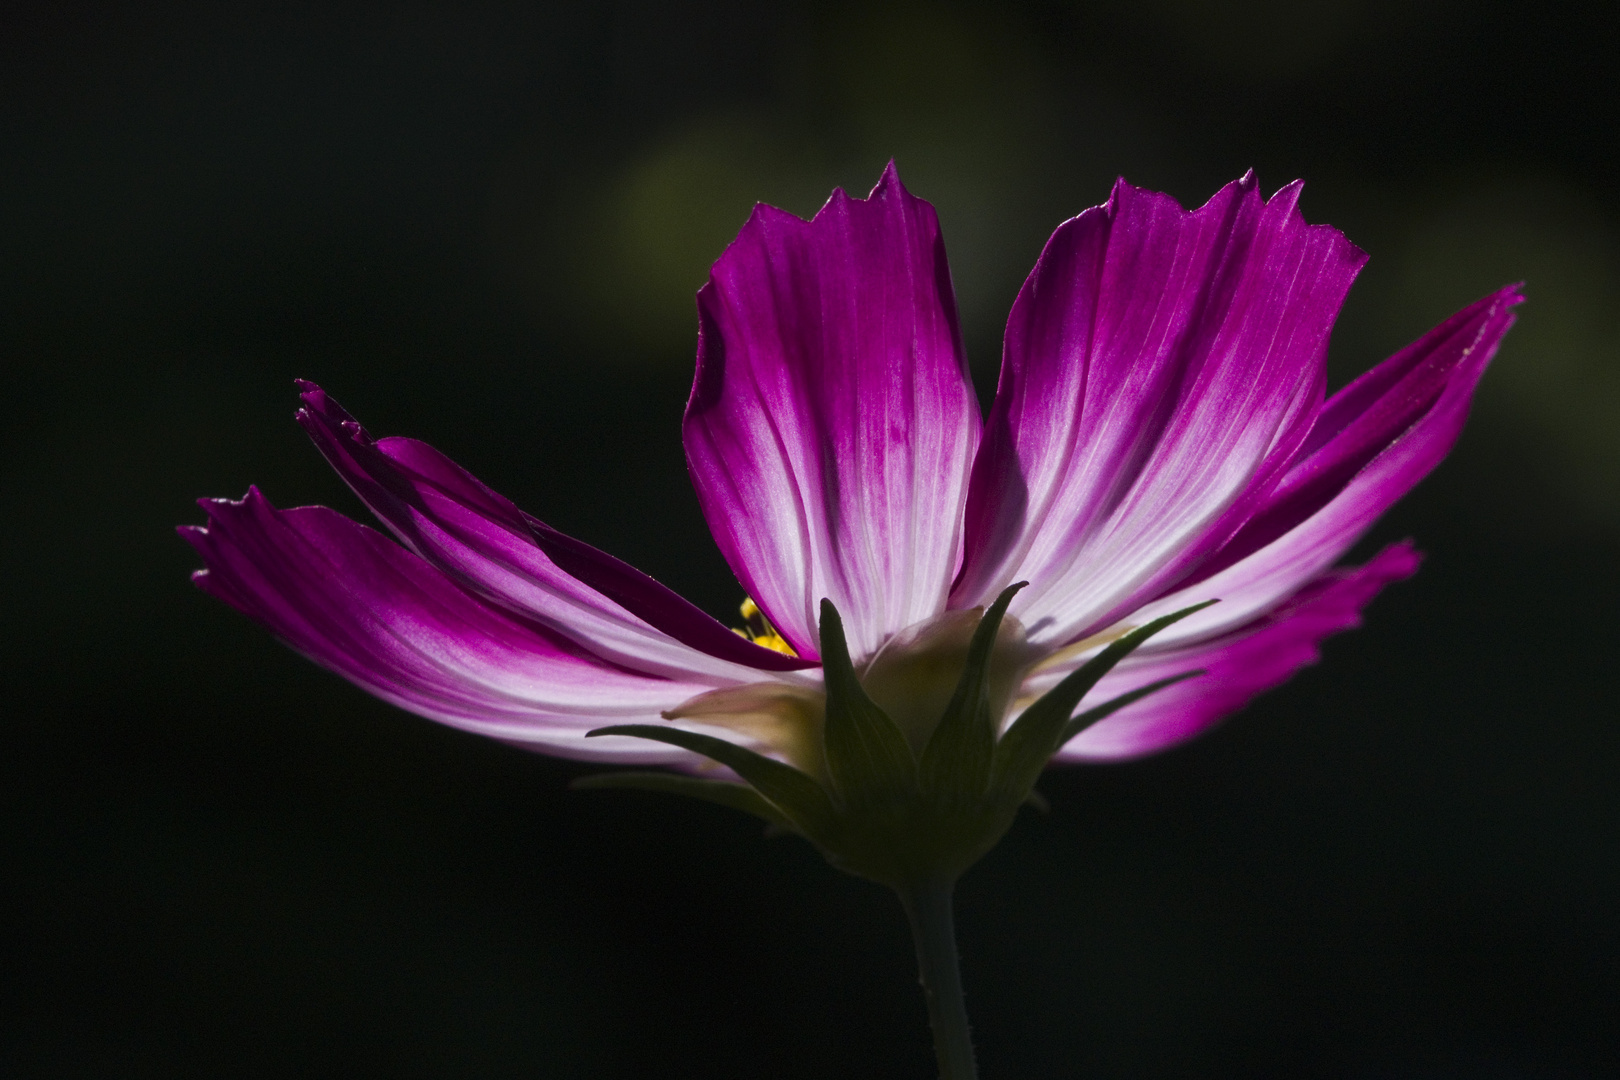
pixel 482 225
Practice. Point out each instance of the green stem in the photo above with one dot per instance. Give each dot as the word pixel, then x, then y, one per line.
pixel 928 906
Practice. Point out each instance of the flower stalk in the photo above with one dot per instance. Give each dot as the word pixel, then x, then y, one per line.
pixel 939 970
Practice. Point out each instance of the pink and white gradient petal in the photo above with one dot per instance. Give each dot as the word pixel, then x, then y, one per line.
pixel 832 422
pixel 1162 367
pixel 1370 450
pixel 492 549
pixel 360 605
pixel 1237 666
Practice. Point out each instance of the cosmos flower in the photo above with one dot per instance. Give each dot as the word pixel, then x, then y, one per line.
pixel 1159 438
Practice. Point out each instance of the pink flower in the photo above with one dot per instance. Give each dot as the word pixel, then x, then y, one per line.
pixel 1159 438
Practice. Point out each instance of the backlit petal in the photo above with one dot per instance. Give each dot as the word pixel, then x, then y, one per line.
pixel 360 605
pixel 832 422
pixel 487 545
pixel 1376 439
pixel 1237 666
pixel 1162 369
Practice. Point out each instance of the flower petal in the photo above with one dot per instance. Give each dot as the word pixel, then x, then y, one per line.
pixel 486 544
pixel 832 421
pixel 1236 666
pixel 1162 368
pixel 1376 439
pixel 360 605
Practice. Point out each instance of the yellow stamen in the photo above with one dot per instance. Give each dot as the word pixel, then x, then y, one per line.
pixel 759 629
pixel 776 643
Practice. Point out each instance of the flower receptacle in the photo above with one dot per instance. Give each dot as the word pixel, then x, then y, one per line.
pixel 908 804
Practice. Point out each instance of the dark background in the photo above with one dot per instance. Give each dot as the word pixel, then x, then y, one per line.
pixel 482 225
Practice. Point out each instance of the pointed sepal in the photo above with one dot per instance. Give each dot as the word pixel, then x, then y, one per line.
pixel 1036 735
pixel 880 811
pixel 868 758
pixel 956 763
pixel 1113 705
pixel 797 796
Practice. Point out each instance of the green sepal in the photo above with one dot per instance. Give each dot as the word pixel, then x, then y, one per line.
pixel 956 762
pixel 796 795
pixel 879 811
pixel 723 792
pixel 1113 705
pixel 1027 746
pixel 868 758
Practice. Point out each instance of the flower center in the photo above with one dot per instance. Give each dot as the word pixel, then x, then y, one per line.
pixel 911 677
pixel 913 674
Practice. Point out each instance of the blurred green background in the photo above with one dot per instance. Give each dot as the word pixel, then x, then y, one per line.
pixel 482 224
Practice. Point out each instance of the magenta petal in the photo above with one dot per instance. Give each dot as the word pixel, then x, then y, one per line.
pixel 489 546
pixel 1162 369
pixel 832 422
pixel 1376 439
pixel 1401 418
pixel 362 606
pixel 1237 665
